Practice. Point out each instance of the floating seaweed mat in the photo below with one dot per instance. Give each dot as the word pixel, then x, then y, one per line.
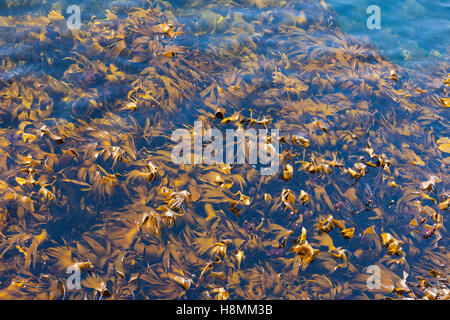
pixel 87 179
pixel 22 3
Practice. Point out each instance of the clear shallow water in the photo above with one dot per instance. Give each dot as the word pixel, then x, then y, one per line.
pixel 412 32
pixel 287 62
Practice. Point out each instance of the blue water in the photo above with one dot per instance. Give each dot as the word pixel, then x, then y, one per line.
pixel 413 32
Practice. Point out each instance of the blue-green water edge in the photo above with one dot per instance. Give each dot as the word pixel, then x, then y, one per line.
pixel 413 32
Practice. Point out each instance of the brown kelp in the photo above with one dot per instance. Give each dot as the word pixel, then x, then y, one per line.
pixel 87 180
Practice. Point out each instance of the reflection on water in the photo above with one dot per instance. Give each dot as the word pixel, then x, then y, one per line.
pixel 87 180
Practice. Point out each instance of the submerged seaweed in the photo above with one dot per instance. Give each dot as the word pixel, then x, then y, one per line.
pixel 87 180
